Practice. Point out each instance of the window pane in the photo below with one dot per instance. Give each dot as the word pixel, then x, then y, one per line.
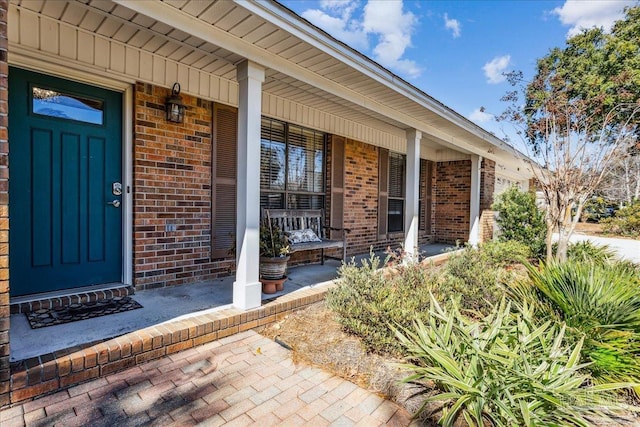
pixel 306 160
pixel 396 215
pixel 271 200
pixel 397 175
pixel 272 155
pixel 66 106
pixel 305 201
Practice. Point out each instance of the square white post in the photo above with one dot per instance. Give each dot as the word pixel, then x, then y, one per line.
pixel 474 210
pixel 247 290
pixel 412 194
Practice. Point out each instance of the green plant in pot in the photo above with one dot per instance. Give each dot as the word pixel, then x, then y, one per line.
pixel 274 251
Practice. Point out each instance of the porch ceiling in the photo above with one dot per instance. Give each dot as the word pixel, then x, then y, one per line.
pixel 372 95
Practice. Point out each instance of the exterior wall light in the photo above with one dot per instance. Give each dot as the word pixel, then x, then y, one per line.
pixel 175 107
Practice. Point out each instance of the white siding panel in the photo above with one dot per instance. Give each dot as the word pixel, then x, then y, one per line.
pixel 146 66
pixel 224 91
pixel 132 62
pixel 214 88
pixel 68 41
pixel 159 68
pixel 183 77
pixel 29 30
pixel 49 34
pixel 102 53
pixel 194 80
pixel 86 45
pixel 203 86
pixel 117 57
pixel 13 30
pixel 171 74
pixel 234 93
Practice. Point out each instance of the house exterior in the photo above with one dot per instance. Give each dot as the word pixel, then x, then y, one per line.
pixel 97 187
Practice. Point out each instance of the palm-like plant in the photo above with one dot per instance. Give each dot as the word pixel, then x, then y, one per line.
pixel 597 300
pixel 502 370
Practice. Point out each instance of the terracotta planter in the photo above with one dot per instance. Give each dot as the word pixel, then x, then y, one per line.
pixel 273 267
pixel 270 286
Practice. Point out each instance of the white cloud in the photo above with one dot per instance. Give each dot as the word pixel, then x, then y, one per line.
pixel 493 69
pixel 338 22
pixel 384 21
pixel 480 116
pixel 594 13
pixel 453 25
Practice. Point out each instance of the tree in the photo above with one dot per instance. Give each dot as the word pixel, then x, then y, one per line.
pixel 622 182
pixel 578 112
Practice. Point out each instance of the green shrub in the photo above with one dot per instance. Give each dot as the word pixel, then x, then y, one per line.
pixel 520 219
pixel 502 370
pixel 599 301
pixel 472 277
pixel 626 222
pixel 367 299
pixel 587 251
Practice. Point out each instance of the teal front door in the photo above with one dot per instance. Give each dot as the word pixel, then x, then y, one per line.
pixel 65 192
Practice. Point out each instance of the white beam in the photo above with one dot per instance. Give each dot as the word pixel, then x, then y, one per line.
pixel 247 290
pixel 474 211
pixel 412 194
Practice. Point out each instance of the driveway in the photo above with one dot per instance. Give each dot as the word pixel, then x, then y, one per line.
pixel 625 248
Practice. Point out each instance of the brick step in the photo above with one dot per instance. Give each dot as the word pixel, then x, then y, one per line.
pixel 51 372
pixel 29 303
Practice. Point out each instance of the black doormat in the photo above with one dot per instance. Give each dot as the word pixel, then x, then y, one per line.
pixel 80 311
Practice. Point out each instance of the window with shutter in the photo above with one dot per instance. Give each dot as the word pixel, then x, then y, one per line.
pixel 224 163
pixel 426 170
pixel 397 177
pixel 383 192
pixel 291 166
pixel 337 185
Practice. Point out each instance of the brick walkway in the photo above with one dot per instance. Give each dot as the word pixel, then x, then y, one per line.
pixel 244 379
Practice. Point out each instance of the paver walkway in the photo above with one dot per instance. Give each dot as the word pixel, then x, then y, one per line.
pixel 244 379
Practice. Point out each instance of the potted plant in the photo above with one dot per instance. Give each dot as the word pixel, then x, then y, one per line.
pixel 274 255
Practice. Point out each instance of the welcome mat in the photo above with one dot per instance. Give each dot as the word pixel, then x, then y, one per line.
pixel 80 311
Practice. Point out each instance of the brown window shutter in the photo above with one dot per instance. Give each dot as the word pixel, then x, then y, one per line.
pixel 423 193
pixel 428 199
pixel 383 192
pixel 337 185
pixel 224 163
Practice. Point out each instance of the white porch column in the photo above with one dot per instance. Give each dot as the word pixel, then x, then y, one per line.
pixel 412 193
pixel 474 211
pixel 247 290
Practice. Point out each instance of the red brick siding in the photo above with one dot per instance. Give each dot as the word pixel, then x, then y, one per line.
pixel 487 187
pixel 452 201
pixel 361 196
pixel 4 212
pixel 172 173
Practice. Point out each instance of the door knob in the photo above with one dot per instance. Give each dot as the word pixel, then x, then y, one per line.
pixel 114 203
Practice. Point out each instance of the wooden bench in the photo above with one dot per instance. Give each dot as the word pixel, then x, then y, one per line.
pixel 289 220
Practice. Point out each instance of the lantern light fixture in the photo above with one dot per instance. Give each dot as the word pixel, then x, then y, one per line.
pixel 175 107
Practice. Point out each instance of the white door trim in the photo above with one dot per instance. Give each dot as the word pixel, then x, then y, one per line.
pixel 126 89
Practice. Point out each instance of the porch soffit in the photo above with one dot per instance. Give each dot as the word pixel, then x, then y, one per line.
pixel 123 23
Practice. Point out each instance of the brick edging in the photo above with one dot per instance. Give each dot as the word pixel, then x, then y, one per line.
pixel 51 372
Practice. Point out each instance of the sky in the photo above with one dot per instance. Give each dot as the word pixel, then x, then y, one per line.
pixel 456 51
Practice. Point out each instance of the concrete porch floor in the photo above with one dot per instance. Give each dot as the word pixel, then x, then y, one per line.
pixel 162 306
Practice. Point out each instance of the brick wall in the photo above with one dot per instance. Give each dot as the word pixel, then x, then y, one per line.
pixel 172 173
pixel 452 192
pixel 4 212
pixel 361 196
pixel 487 187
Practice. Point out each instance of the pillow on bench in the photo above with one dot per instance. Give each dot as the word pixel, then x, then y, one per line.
pixel 302 236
